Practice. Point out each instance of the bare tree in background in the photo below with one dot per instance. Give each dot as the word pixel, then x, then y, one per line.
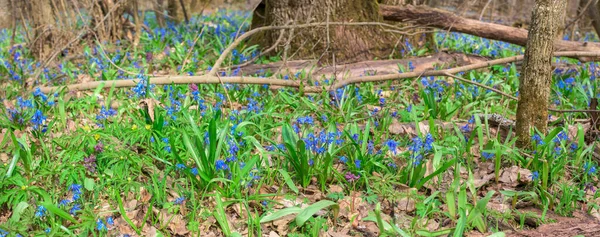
pixel 534 89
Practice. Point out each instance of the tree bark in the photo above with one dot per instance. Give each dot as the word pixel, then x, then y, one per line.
pixel 42 23
pixel 448 21
pixel 594 13
pixel 534 87
pixel 183 10
pixel 344 43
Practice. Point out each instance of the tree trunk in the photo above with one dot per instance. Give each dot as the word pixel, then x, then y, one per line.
pixel 183 10
pixel 448 21
pixel 534 87
pixel 108 20
pixel 594 13
pixel 344 43
pixel 6 16
pixel 42 23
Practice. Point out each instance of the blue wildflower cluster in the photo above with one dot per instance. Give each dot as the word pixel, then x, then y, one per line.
pixel 419 148
pixel 174 105
pixel 74 201
pixel 476 45
pixel 319 143
pixel 142 88
pixel 590 169
pixel 100 226
pixel 104 115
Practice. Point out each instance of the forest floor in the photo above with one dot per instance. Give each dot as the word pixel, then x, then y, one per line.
pixel 427 156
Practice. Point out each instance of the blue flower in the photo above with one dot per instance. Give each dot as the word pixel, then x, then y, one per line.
pixel 38 119
pixel 48 230
pixel 110 221
pixel 179 200
pixel 538 139
pixel 64 202
pixel 357 163
pixel 100 226
pixel 75 188
pixel 39 93
pixel 3 233
pixel 343 159
pixel 74 209
pixel 592 170
pixel 221 165
pixel 194 171
pixel 392 145
pixel 488 155
pixel 428 142
pixel 180 166
pixel 41 212
pixel 535 175
pixel 573 146
pixel 561 136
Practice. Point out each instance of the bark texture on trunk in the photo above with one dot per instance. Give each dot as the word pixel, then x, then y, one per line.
pixel 594 13
pixel 183 10
pixel 534 87
pixel 43 25
pixel 448 21
pixel 346 43
pixel 108 20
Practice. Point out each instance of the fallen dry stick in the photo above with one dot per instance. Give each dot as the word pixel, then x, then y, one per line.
pixel 210 79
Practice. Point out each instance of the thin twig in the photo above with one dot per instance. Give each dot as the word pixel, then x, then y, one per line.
pixel 187 56
pixel 263 53
pixel 481 85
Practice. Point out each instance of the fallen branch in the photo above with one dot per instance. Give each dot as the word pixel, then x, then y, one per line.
pixel 427 16
pixel 210 79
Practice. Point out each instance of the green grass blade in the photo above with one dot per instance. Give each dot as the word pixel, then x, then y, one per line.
pixel 281 213
pixel 288 180
pixel 59 212
pixel 309 211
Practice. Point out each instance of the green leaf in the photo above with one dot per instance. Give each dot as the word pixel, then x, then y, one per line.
pixel 497 234
pixel 124 214
pixel 427 233
pixel 59 212
pixel 281 213
pixel 309 211
pixel 462 223
pixel 88 184
pixel 288 180
pixel 17 211
pixel 437 172
pixel 220 215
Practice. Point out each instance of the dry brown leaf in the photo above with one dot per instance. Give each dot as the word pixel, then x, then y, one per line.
pixel 149 230
pixel 84 78
pixel 343 233
pixel 313 193
pixel 500 207
pixel 282 224
pixel 4 158
pixel 335 189
pixel 514 175
pixel 149 104
pixel 145 196
pixel 397 128
pixel 406 204
pixel 273 234
pixel 123 227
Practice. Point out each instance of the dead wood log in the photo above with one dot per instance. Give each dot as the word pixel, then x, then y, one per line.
pixel 441 19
